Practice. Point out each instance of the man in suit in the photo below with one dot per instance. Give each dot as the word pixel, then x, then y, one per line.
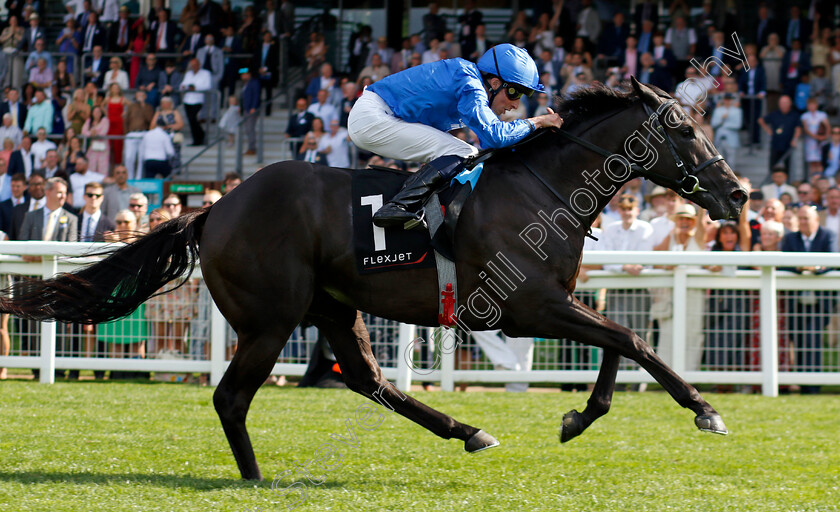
pixel 271 19
pixel 83 17
pixel 209 17
pixel 434 25
pixel 22 160
pixel 309 151
pixel 231 44
pixel 32 33
pixel 830 216
pixel 381 48
pixel 36 200
pixel 118 195
pixel 52 221
pixel 809 311
pixel 647 10
pixel 50 167
pixel 752 85
pixel 796 28
pixel 120 33
pixel 326 80
pixel 5 181
pixel 94 34
pixel 795 64
pixel 475 46
pixel 193 42
pixel 213 60
pixel 831 154
pixel 779 186
pixel 98 66
pixel 765 26
pixel 15 107
pixel 469 21
pixel 268 59
pixel 18 187
pixel 163 33
pixel 613 37
pixel 94 223
pixel 250 105
pixel 300 122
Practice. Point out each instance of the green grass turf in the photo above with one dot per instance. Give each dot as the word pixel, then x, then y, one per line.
pixel 129 446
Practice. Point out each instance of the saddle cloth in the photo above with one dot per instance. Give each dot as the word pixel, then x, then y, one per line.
pixel 386 249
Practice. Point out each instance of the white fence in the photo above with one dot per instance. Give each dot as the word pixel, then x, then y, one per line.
pixel 754 327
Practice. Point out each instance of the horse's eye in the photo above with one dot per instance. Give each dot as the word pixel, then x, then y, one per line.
pixel 688 132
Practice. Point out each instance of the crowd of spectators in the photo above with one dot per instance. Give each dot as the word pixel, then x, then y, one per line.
pixel 786 59
pixel 112 78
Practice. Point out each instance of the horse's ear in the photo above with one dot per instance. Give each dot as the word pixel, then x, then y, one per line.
pixel 636 85
pixel 644 92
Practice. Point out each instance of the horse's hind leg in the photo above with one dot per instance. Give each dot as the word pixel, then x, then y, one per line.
pixel 346 332
pixel 574 423
pixel 255 356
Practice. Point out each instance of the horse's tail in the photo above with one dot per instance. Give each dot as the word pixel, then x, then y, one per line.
pixel 117 285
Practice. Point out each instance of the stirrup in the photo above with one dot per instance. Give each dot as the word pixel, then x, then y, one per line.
pixel 419 220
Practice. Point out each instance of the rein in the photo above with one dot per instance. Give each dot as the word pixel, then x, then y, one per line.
pixel 688 185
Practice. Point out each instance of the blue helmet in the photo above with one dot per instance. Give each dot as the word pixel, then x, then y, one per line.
pixel 512 65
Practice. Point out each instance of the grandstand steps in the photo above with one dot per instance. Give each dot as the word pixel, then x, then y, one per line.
pixel 274 150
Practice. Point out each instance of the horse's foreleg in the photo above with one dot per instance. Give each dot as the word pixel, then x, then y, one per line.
pixel 574 423
pixel 346 332
pixel 574 320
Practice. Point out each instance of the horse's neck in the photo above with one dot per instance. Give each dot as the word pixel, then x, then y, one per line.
pixel 579 174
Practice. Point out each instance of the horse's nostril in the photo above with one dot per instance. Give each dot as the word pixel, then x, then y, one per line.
pixel 738 196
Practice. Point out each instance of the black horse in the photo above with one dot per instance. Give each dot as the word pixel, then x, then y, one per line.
pixel 278 250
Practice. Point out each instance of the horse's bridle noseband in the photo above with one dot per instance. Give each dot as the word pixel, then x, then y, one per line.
pixel 689 183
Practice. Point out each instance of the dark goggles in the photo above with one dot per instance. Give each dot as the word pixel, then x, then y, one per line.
pixel 515 92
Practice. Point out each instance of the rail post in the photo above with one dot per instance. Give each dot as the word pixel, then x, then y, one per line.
pixel 406 337
pixel 49 268
pixel 769 334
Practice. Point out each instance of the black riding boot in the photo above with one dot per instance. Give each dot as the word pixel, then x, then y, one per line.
pixel 404 208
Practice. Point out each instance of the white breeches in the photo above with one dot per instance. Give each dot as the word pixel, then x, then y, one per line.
pixel 372 126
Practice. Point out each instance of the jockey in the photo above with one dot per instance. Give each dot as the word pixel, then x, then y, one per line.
pixel 406 115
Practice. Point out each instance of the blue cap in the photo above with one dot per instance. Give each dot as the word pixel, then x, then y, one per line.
pixel 512 65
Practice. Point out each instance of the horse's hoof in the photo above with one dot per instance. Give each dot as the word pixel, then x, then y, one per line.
pixel 572 426
pixel 711 423
pixel 481 440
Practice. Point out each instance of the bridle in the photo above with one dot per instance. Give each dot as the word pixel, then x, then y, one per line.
pixel 689 183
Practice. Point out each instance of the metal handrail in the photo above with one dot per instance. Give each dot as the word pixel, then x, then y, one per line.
pixel 219 139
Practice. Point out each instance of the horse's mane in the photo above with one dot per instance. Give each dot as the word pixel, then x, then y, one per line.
pixel 588 103
pixel 596 99
pixel 591 101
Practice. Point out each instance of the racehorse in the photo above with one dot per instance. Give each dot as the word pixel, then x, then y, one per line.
pixel 278 250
